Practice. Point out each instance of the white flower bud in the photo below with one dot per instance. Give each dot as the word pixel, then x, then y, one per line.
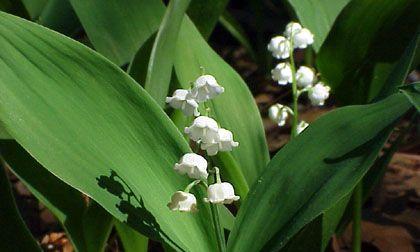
pixel 318 94
pixel 303 38
pixel 278 113
pixel 203 129
pixel 279 47
pixel 195 166
pixel 302 125
pixel 206 88
pixel 292 28
pixel 183 201
pixel 305 76
pixel 184 100
pixel 221 193
pixel 282 73
pixel 224 142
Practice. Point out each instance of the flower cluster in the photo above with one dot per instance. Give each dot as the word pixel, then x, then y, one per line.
pixel 281 47
pixel 210 137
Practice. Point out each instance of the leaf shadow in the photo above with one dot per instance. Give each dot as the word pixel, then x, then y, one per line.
pixel 138 217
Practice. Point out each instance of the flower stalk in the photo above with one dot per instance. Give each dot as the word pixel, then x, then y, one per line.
pixel 294 92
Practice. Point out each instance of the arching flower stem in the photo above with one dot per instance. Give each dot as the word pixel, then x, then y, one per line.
pixel 294 90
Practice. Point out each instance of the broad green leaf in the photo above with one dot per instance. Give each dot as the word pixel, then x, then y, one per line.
pixel 364 45
pixel 306 178
pixel 162 56
pixel 14 235
pixel 62 200
pixel 318 16
pixel 3 132
pixel 59 15
pixel 235 109
pixel 235 29
pixel 91 125
pixel 118 30
pixel 402 68
pixel 412 92
pixel 14 7
pixel 205 14
pixel 130 239
pixel 34 7
pixel 97 225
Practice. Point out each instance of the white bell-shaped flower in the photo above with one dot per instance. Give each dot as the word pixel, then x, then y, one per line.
pixel 302 125
pixel 305 76
pixel 221 193
pixel 278 113
pixel 206 88
pixel 318 94
pixel 195 166
pixel 292 28
pixel 184 100
pixel 224 142
pixel 282 73
pixel 203 129
pixel 183 201
pixel 279 47
pixel 303 38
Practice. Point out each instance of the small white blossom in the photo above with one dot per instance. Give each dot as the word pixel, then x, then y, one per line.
pixel 305 76
pixel 278 113
pixel 184 100
pixel 302 125
pixel 279 47
pixel 318 94
pixel 195 166
pixel 224 142
pixel 183 201
pixel 221 193
pixel 206 88
pixel 282 73
pixel 203 129
pixel 303 38
pixel 292 28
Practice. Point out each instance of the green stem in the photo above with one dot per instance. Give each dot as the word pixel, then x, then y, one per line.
pixel 221 244
pixel 357 218
pixel 294 91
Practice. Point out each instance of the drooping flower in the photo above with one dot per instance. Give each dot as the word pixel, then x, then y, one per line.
pixel 318 94
pixel 279 47
pixel 292 28
pixel 183 201
pixel 303 38
pixel 203 129
pixel 282 73
pixel 184 100
pixel 278 113
pixel 302 125
pixel 224 142
pixel 206 88
pixel 221 193
pixel 305 76
pixel 194 165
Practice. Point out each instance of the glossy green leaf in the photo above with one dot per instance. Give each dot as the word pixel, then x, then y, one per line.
pixel 118 30
pixel 14 235
pixel 62 200
pixel 97 225
pixel 3 132
pixel 364 45
pixel 91 125
pixel 59 16
pixel 130 239
pixel 402 68
pixel 412 92
pixel 318 16
pixel 205 14
pixel 34 7
pixel 235 29
pixel 235 109
pixel 306 178
pixel 159 70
